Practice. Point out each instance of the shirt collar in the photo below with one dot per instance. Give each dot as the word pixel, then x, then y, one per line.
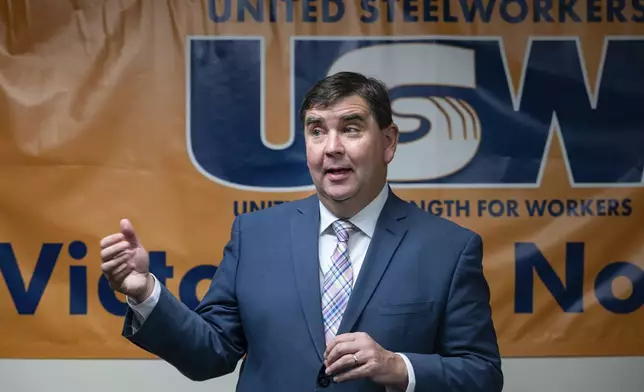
pixel 365 220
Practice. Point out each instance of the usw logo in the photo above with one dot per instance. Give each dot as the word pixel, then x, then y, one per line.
pixel 461 123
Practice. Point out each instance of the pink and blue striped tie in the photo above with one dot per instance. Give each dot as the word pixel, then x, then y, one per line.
pixel 338 281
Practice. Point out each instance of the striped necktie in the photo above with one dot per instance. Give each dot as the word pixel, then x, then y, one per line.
pixel 337 281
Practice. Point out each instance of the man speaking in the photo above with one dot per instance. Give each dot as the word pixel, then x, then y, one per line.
pixel 351 289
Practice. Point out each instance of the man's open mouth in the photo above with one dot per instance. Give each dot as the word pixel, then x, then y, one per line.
pixel 338 170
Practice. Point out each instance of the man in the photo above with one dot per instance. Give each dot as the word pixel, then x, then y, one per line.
pixel 351 289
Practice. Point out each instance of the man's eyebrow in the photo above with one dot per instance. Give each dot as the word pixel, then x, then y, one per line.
pixel 353 116
pixel 312 120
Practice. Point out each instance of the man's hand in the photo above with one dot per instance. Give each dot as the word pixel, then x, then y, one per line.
pixel 357 355
pixel 125 263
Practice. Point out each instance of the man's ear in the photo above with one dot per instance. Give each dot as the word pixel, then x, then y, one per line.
pixel 391 134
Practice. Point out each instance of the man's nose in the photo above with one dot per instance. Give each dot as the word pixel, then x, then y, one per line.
pixel 334 143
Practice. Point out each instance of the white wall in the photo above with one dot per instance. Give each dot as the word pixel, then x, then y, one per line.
pixel 522 375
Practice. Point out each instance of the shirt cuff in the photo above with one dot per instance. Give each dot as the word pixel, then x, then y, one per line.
pixel 143 310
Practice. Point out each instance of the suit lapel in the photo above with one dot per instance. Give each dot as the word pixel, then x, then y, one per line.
pixel 389 232
pixel 304 239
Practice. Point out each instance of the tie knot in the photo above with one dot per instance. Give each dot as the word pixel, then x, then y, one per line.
pixel 343 229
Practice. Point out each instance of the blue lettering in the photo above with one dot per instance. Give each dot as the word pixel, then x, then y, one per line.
pixel 237 210
pixel 428 11
pixel 256 11
pixel 371 9
pixel 583 207
pixel 289 10
pixel 78 289
pixel 77 279
pixel 498 208
pixel 448 17
pixel 219 17
pixel 555 208
pixel 27 297
pixel 615 153
pixel 529 259
pixel 535 207
pixel 615 10
pixel 597 130
pixel 434 206
pixel 505 11
pixel 447 208
pixel 594 10
pixel 211 137
pixel 256 207
pixel 604 292
pixel 272 10
pixel 188 285
pixel 409 11
pixel 477 8
pixel 586 209
pixel 327 16
pixel 512 207
pixel 243 206
pixel 638 6
pixel 567 9
pixel 626 205
pixel 308 11
pixel 570 296
pixel 543 11
pixel 391 9
pixel 471 11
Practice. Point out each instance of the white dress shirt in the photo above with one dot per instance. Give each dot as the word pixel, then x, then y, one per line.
pixel 359 241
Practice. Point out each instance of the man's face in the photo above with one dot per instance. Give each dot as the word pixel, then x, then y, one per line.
pixel 347 153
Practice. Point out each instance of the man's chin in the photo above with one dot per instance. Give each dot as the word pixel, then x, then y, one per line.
pixel 339 196
pixel 337 192
pixel 341 199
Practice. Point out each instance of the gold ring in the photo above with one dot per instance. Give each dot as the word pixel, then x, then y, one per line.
pixel 355 359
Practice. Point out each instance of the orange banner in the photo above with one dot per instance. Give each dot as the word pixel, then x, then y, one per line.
pixel 520 119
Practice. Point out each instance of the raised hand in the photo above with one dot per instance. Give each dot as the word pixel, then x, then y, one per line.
pixel 126 264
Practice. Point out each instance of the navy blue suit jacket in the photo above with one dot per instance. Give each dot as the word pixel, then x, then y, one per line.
pixel 421 292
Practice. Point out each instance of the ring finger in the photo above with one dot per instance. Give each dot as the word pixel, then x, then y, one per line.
pixel 346 363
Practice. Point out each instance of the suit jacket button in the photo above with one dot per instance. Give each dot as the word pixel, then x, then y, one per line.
pixel 324 381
